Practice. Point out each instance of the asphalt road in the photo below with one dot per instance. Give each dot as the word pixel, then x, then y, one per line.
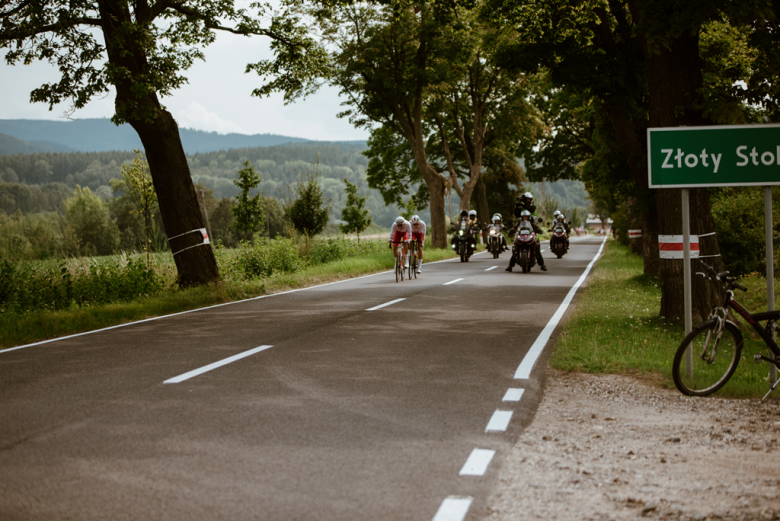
pixel 350 414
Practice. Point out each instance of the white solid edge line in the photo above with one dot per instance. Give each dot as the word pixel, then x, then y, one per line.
pixel 210 367
pixel 477 462
pixel 386 304
pixel 454 508
pixel 524 369
pixel 513 395
pixel 8 350
pixel 451 282
pixel 499 421
pixel 491 268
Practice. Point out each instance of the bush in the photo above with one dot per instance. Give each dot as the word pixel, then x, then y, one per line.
pixel 334 249
pixel 28 287
pixel 261 258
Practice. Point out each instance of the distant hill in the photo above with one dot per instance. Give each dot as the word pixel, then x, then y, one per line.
pixel 10 145
pixel 100 135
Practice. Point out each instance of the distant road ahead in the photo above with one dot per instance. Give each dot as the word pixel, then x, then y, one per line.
pixel 333 412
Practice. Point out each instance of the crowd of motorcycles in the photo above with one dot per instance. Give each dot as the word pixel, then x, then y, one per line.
pixel 526 243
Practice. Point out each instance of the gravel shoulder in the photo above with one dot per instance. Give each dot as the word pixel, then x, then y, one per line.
pixel 619 447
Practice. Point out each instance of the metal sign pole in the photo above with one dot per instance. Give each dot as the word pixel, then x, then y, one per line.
pixel 687 301
pixel 770 266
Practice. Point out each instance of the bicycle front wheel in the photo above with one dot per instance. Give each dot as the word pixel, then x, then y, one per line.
pixel 714 361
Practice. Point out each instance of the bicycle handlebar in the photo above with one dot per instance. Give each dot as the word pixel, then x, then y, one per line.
pixel 731 282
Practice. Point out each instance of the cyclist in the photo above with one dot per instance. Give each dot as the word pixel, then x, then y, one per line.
pixel 401 231
pixel 418 233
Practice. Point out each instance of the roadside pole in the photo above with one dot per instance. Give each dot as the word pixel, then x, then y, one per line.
pixel 770 266
pixel 687 301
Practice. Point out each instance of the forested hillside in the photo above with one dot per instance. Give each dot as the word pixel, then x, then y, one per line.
pixel 278 166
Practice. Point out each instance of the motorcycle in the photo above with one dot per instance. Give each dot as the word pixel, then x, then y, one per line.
pixel 558 241
pixel 524 247
pixel 464 243
pixel 494 242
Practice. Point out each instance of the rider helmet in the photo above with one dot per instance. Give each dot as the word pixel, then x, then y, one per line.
pixel 561 217
pixel 473 214
pixel 464 213
pixel 528 195
pixel 495 218
pixel 415 219
pixel 556 213
pixel 400 220
pixel 525 215
pixel 499 216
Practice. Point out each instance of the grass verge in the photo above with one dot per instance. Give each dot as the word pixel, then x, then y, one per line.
pixel 19 329
pixel 615 328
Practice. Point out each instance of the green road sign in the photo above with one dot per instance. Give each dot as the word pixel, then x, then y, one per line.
pixel 735 155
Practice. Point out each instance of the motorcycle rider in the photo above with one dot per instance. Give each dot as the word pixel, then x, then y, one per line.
pixel 498 227
pixel 525 202
pixel 560 220
pixel 455 227
pixel 525 215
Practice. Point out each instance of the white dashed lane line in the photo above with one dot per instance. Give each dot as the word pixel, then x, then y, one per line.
pixel 491 268
pixel 380 306
pixel 454 508
pixel 513 395
pixel 499 421
pixel 211 367
pixel 451 282
pixel 477 463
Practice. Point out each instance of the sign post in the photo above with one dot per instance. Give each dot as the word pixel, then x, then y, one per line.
pixel 712 156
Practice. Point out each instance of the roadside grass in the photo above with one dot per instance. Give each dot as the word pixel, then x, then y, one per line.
pixel 615 328
pixel 24 328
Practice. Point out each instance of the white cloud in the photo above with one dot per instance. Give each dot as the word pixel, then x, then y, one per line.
pixel 196 116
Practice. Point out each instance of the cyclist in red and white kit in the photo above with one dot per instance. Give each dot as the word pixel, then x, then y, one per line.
pixel 418 232
pixel 401 231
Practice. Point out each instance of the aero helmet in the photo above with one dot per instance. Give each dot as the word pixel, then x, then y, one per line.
pixel 415 219
pixel 400 220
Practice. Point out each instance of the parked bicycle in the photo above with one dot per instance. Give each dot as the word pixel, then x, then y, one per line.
pixel 716 343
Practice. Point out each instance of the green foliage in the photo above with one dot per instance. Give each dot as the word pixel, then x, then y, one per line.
pixel 339 248
pixel 355 216
pixel 305 206
pixel 88 215
pixel 26 287
pixel 739 227
pixel 35 236
pixel 247 210
pixel 137 185
pixel 261 258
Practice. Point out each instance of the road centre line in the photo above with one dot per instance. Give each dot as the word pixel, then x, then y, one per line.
pixel 513 395
pixel 491 268
pixel 524 369
pixel 386 304
pixel 210 367
pixel 477 462
pixel 454 508
pixel 499 421
pixel 8 350
pixel 451 282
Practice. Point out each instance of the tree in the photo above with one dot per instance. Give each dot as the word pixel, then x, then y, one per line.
pixel 88 215
pixel 355 216
pixel 137 184
pixel 385 59
pixel 305 206
pixel 144 49
pixel 247 210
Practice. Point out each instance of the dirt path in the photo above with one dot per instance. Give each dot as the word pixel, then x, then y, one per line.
pixel 615 447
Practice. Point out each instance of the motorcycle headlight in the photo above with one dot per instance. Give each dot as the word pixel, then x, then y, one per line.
pixel 460 232
pixel 453 246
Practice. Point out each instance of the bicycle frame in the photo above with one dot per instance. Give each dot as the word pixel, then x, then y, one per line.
pixel 754 320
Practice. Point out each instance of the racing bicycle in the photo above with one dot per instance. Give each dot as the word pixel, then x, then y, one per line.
pixel 716 343
pixel 399 261
pixel 413 244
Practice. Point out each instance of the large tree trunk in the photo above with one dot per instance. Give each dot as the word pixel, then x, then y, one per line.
pixel 160 136
pixel 674 77
pixel 650 241
pixel 437 187
pixel 634 222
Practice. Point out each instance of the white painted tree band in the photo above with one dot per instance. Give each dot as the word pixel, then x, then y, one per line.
pixel 202 231
pixel 634 234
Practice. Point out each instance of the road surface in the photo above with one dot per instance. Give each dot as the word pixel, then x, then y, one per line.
pixel 316 404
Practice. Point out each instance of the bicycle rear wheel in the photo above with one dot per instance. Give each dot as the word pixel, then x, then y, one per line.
pixel 709 372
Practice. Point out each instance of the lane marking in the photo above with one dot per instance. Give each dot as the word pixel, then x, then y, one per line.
pixel 499 421
pixel 524 369
pixel 386 304
pixel 451 282
pixel 477 463
pixel 210 367
pixel 75 335
pixel 454 508
pixel 491 268
pixel 513 395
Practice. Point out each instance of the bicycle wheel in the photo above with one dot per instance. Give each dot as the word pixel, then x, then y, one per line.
pixel 712 364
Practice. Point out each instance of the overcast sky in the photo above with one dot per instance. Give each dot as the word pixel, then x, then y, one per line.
pixel 216 99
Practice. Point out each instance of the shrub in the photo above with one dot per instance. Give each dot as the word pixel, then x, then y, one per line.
pixel 334 249
pixel 261 258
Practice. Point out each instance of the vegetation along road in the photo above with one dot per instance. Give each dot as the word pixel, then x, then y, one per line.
pixel 364 399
